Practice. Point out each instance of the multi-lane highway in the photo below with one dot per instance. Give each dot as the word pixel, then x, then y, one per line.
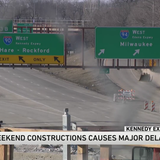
pixel 32 98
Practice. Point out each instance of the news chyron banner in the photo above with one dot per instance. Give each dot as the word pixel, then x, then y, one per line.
pixel 132 135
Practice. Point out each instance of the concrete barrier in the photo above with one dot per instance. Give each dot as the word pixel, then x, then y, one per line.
pixel 154 76
pixel 137 73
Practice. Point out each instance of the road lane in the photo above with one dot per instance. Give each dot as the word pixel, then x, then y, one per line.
pixel 46 97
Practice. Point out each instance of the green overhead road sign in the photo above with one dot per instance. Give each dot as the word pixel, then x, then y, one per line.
pixel 127 43
pixel 6 25
pixel 31 48
pixel 25 30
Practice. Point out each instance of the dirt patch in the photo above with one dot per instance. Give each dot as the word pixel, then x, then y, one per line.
pixel 91 79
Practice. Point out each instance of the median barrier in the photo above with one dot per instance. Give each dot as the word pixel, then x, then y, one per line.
pixel 154 76
pixel 137 74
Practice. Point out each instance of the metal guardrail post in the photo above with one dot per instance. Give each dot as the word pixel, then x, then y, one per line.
pixel 66 126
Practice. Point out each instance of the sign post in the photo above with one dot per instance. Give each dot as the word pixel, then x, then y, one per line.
pixel 31 48
pixel 127 43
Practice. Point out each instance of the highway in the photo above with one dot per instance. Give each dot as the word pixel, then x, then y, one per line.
pixel 31 98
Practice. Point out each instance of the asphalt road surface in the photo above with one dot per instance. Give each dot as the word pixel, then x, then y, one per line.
pixel 31 98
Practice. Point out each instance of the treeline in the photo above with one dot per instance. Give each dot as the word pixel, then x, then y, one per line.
pixel 97 12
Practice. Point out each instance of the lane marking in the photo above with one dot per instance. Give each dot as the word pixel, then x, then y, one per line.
pixel 54 109
pixel 121 156
pixel 11 113
pixel 47 124
pixel 10 126
pixel 106 116
pixel 92 111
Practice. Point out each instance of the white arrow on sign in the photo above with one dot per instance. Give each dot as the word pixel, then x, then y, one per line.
pixel 136 52
pixel 102 51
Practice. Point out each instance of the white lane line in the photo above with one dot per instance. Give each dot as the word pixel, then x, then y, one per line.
pixel 92 111
pixel 11 113
pixel 10 126
pixel 106 116
pixel 121 156
pixel 54 109
pixel 46 124
pixel 29 117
